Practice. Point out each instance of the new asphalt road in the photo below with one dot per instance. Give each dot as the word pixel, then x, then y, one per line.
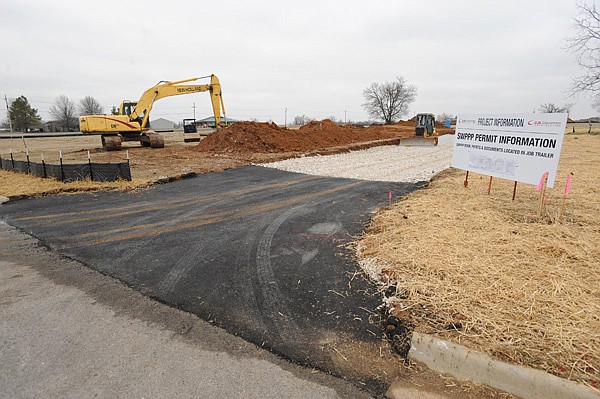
pixel 258 251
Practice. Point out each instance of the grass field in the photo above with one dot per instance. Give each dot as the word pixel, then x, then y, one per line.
pixel 486 272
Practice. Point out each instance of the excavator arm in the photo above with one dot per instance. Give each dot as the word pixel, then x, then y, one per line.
pixel 141 112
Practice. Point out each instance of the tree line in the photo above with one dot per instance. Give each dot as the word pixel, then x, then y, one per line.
pixel 65 113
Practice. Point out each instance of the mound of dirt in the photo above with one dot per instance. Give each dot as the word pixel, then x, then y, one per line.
pixel 257 137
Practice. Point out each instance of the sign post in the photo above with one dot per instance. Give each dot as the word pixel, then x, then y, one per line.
pixel 519 147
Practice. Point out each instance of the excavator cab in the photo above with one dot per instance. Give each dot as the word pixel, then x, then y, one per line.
pixel 127 108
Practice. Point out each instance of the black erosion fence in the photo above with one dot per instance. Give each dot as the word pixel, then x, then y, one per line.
pixel 92 171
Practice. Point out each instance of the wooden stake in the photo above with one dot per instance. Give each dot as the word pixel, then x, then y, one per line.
pixel 542 196
pixel 467 179
pixel 514 191
pixel 490 185
pixel 565 193
pixel 562 208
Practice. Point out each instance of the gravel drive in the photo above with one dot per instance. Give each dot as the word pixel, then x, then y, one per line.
pixel 389 163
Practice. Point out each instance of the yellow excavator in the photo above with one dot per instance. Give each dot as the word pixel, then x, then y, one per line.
pixel 425 134
pixel 132 122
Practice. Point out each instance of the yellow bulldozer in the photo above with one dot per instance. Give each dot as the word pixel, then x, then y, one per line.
pixel 132 122
pixel 425 134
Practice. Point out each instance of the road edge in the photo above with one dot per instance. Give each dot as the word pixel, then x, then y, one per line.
pixel 466 364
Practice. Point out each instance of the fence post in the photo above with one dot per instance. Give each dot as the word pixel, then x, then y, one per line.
pixel 128 165
pixel 44 167
pixel 90 163
pixel 12 159
pixel 28 166
pixel 62 171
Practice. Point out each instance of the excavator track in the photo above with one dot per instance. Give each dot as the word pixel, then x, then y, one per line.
pixel 152 140
pixel 111 142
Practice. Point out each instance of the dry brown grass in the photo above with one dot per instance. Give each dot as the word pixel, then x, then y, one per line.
pixel 15 185
pixel 481 271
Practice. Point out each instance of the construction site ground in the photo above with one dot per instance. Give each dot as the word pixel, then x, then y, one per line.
pixel 179 159
pixel 242 144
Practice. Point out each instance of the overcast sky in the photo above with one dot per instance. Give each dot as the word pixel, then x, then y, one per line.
pixel 314 58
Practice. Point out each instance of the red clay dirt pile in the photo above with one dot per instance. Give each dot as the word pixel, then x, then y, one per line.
pixel 257 137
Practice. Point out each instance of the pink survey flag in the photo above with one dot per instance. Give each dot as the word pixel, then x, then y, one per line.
pixel 541 183
pixel 568 184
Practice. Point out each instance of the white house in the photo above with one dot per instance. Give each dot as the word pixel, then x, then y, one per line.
pixel 162 125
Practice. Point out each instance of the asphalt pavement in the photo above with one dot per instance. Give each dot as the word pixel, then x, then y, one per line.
pixel 260 252
pixel 67 331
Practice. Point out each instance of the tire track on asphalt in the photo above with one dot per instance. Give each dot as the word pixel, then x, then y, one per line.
pixel 180 270
pixel 166 227
pixel 137 208
pixel 274 302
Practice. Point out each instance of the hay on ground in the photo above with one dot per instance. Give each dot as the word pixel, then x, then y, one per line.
pixel 15 185
pixel 483 271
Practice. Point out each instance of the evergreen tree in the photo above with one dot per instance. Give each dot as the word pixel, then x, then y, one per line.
pixel 22 115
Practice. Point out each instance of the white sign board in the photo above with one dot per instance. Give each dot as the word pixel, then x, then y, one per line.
pixel 519 147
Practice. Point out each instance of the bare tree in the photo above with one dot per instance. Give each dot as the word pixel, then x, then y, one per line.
pixel 302 120
pixel 90 106
pixel 63 111
pixel 586 45
pixel 389 101
pixel 552 108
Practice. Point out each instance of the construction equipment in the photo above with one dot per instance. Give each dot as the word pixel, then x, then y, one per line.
pixel 425 134
pixel 132 121
pixel 189 127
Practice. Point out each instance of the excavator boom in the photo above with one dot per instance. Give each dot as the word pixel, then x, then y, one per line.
pixel 168 89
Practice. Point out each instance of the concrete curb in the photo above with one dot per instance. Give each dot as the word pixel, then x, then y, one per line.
pixel 3 199
pixel 465 364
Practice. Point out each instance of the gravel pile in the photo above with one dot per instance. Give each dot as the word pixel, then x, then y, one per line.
pixel 388 163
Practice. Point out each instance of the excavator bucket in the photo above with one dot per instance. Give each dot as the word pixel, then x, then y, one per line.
pixel 417 141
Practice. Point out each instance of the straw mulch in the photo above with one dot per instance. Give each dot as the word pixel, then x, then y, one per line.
pixel 484 272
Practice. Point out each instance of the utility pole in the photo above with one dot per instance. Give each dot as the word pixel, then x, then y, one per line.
pixel 345 119
pixel 194 107
pixel 285 120
pixel 8 114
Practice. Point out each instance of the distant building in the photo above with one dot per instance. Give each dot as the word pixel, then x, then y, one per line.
pixel 210 121
pixel 162 125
